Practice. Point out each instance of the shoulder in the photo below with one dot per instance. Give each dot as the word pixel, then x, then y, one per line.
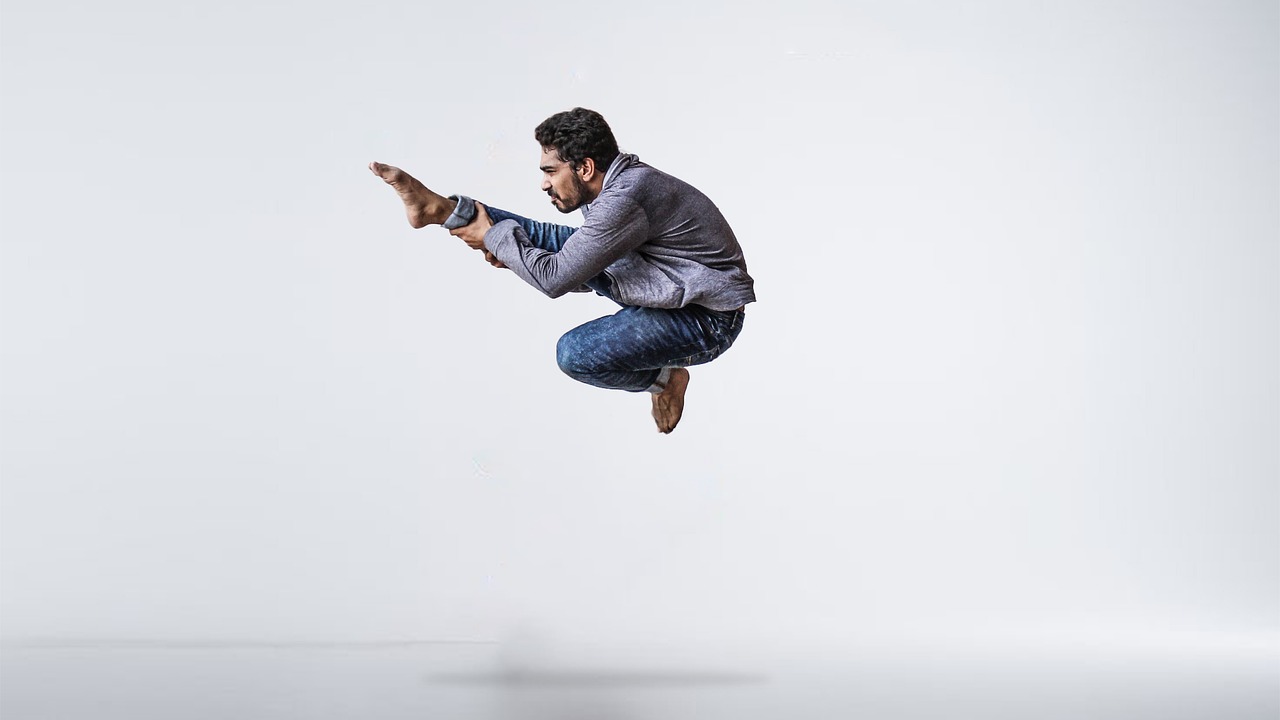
pixel 642 183
pixel 615 205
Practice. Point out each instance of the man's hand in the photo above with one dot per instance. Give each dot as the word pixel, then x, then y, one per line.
pixel 473 232
pixel 473 235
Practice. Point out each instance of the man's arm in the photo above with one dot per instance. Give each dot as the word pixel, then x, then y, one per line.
pixel 614 228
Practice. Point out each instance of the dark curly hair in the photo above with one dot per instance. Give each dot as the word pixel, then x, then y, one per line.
pixel 579 134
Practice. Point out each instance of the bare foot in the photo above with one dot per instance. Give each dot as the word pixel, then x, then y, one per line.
pixel 421 205
pixel 668 405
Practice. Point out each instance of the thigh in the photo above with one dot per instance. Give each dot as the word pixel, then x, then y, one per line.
pixel 544 236
pixel 638 338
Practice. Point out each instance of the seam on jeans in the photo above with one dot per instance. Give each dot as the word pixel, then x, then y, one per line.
pixel 726 341
pixel 693 359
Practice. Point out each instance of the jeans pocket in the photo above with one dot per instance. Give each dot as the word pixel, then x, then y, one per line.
pixel 708 326
pixel 736 326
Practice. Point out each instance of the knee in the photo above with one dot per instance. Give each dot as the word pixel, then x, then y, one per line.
pixel 570 356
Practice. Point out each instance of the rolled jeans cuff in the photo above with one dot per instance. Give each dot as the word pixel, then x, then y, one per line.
pixel 462 214
pixel 661 383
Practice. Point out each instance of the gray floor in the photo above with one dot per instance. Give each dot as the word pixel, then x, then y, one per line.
pixel 138 680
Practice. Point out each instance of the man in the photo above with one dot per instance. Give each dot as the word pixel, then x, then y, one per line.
pixel 652 243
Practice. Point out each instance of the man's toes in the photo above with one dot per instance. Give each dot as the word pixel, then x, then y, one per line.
pixel 389 173
pixel 664 415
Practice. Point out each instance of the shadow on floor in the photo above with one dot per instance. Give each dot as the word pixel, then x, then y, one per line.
pixel 599 679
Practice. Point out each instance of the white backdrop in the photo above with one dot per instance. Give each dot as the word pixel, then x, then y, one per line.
pixel 1013 371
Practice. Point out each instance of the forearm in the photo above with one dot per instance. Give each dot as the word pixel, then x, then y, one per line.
pixel 612 230
pixel 552 273
pixel 544 235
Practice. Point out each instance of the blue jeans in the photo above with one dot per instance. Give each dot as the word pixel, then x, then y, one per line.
pixel 635 348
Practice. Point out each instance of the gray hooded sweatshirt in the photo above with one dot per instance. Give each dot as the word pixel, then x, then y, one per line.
pixel 661 243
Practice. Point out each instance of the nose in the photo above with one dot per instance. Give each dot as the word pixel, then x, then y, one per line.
pixel 546 184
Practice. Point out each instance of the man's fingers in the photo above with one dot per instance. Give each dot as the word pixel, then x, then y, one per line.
pixel 468 237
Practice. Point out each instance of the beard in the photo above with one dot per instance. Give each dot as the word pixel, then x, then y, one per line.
pixel 568 204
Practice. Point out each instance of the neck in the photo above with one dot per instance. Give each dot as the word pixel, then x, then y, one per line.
pixel 593 187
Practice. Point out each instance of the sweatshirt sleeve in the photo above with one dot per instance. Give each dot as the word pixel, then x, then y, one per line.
pixel 615 227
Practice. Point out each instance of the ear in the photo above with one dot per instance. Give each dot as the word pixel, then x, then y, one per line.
pixel 587 170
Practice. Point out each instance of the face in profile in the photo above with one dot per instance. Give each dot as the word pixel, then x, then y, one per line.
pixel 566 188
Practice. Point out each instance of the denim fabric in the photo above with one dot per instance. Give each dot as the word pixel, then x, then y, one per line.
pixel 630 349
pixel 463 213
pixel 546 236
pixel 634 348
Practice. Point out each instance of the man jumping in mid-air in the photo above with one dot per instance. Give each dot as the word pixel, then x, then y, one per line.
pixel 651 243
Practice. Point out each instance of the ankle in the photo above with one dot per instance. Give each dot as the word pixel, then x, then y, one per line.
pixel 440 209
